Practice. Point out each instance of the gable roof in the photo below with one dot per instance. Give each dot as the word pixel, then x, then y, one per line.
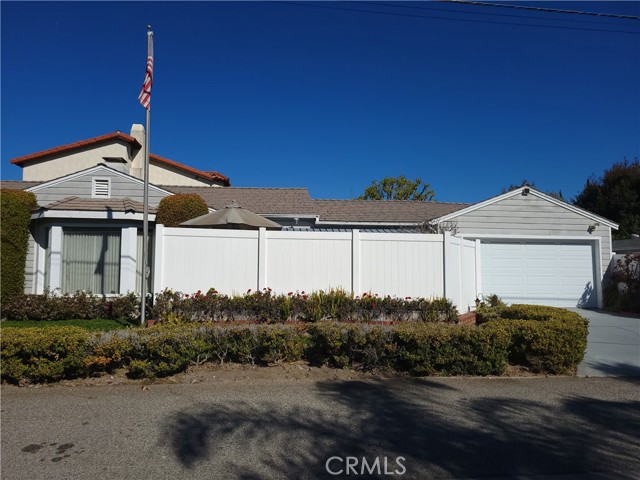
pixel 97 205
pixel 297 201
pixel 72 146
pixel 185 168
pixel 535 193
pixel 109 137
pixel 100 167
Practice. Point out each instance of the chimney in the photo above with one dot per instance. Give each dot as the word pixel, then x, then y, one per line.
pixel 137 161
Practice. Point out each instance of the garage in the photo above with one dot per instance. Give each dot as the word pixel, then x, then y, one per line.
pixel 557 273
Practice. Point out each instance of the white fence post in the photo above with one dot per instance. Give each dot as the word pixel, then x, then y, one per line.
pixel 355 262
pixel 158 260
pixel 262 258
pixel 55 258
pixel 478 269
pixel 446 265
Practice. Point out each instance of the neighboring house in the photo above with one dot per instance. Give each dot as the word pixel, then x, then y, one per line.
pixel 629 245
pixel 87 232
pixel 119 151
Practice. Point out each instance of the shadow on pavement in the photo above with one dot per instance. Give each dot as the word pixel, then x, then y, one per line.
pixel 601 369
pixel 441 435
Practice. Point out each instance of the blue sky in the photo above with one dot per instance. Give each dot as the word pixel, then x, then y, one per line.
pixel 317 95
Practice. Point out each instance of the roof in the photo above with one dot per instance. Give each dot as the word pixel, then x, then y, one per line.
pixel 17 184
pixel 210 175
pixel 297 201
pixel 395 211
pixel 72 146
pixel 186 168
pixel 97 205
pixel 628 245
pixel 258 200
pixel 534 192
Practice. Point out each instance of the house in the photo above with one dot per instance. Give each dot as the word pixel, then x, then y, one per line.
pixel 87 232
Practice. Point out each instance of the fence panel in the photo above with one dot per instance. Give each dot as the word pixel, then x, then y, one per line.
pixel 308 261
pixel 198 259
pixel 396 264
pixel 401 264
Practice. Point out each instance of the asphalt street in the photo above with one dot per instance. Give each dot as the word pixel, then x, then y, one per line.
pixel 525 428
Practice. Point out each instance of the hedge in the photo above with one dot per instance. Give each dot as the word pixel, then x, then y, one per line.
pixel 544 339
pixel 267 307
pixel 15 212
pixel 549 340
pixel 178 208
pixel 80 305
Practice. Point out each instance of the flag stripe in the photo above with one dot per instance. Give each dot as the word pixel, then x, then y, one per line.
pixel 145 94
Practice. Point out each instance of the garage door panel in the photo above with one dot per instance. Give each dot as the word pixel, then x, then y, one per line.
pixel 546 273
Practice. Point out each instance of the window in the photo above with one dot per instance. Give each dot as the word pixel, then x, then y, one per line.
pixel 101 188
pixel 91 261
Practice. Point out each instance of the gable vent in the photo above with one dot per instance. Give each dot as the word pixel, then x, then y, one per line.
pixel 101 188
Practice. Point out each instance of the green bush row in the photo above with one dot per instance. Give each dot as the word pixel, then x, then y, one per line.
pixel 265 306
pixel 81 305
pixel 15 212
pixel 552 346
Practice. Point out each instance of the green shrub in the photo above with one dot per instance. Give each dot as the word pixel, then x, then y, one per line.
pixel 178 208
pixel 80 305
pixel 428 349
pixel 15 214
pixel 37 355
pixel 623 295
pixel 545 339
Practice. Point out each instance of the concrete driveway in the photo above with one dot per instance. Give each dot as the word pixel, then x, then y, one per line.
pixel 613 348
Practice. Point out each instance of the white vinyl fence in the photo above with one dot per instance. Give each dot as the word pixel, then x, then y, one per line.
pixel 396 264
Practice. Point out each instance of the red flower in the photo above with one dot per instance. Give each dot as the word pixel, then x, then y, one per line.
pixel 186 295
pixel 407 298
pixel 290 293
pixel 249 291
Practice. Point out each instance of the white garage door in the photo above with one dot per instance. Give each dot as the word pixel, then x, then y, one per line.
pixel 557 274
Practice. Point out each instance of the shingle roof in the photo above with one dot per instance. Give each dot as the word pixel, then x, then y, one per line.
pixel 258 200
pixel 628 245
pixel 401 211
pixel 297 201
pixel 98 205
pixel 17 184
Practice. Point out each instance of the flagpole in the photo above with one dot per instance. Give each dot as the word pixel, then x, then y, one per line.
pixel 145 215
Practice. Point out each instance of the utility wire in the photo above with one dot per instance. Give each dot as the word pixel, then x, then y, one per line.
pixel 448 10
pixel 397 14
pixel 544 9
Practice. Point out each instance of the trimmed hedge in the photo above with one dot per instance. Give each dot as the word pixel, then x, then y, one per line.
pixel 15 212
pixel 554 345
pixel 545 339
pixel 81 305
pixel 39 354
pixel 266 307
pixel 178 208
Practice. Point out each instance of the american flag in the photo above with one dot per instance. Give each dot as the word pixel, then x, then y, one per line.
pixel 145 94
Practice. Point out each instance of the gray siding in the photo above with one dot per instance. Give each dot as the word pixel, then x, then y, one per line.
pixel 531 215
pixel 29 267
pixel 81 187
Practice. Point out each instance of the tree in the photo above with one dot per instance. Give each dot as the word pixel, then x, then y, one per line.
pixel 175 209
pixel 400 188
pixel 616 196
